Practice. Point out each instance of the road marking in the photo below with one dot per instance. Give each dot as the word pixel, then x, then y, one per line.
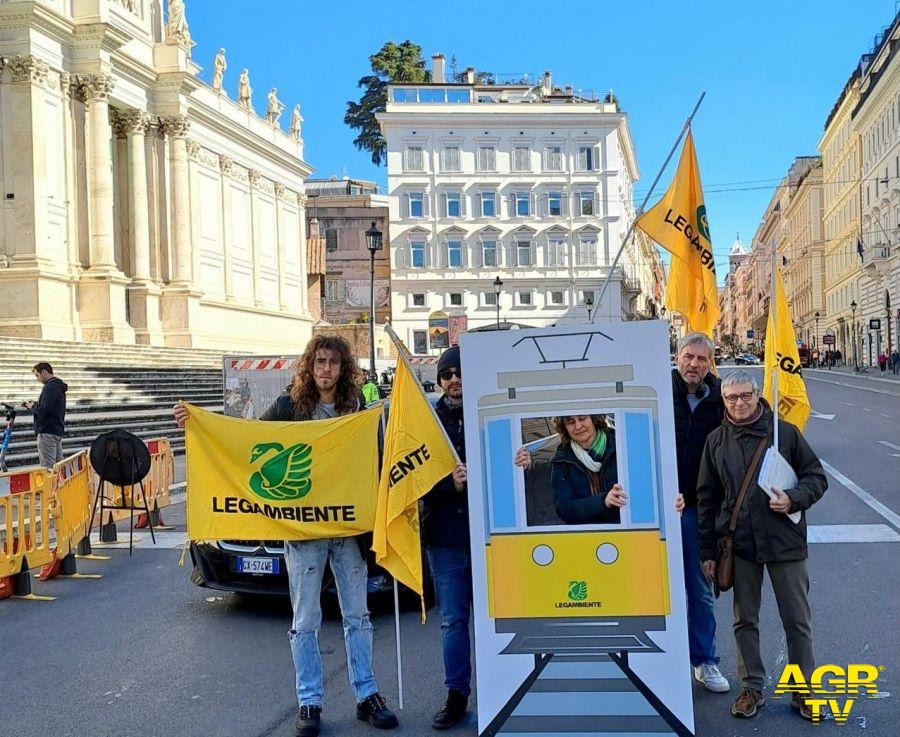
pixel 852 534
pixel 820 416
pixel 866 409
pixel 889 445
pixel 884 415
pixel 850 404
pixel 864 495
pixel 854 386
pixel 164 541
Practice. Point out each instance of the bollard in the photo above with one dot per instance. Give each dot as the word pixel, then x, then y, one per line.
pixel 108 531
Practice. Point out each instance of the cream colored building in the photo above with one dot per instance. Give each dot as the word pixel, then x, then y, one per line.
pixel 841 160
pixel 140 203
pixel 876 119
pixel 804 269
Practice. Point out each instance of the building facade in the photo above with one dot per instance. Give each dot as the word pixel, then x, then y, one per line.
pixel 344 209
pixel 876 120
pixel 141 203
pixel 840 150
pixel 531 184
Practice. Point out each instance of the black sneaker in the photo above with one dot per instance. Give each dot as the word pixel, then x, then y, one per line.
pixel 373 709
pixel 308 721
pixel 453 710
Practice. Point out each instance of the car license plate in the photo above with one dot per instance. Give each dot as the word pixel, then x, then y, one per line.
pixel 258 565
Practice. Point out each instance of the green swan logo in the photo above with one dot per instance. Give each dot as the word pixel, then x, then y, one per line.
pixel 578 590
pixel 286 475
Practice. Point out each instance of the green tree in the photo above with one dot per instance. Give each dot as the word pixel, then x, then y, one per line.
pixel 393 63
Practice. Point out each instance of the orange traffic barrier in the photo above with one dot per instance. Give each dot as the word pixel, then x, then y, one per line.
pixel 71 483
pixel 26 500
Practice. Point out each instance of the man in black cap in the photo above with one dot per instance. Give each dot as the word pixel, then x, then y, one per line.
pixel 445 533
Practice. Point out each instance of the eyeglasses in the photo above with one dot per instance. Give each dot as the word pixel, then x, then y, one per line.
pixel 733 398
pixel 323 362
pixel 448 374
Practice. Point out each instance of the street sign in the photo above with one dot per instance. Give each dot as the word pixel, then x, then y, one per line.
pixel 751 334
pixel 828 340
pixel 875 323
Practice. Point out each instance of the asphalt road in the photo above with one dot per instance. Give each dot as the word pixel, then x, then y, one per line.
pixel 144 652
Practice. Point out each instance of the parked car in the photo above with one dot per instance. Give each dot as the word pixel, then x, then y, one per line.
pixel 746 359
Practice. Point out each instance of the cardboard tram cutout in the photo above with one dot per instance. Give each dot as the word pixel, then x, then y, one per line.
pixel 580 624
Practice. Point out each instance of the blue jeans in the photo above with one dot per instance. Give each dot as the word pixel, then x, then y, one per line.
pixel 451 569
pixel 701 615
pixel 305 564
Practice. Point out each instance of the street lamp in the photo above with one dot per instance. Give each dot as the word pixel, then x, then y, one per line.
pixel 853 307
pixel 817 328
pixel 498 287
pixel 589 303
pixel 373 243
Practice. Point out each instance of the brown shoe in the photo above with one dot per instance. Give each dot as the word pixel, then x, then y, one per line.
pixel 798 702
pixel 748 703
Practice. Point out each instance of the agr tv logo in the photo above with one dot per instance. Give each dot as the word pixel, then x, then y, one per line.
pixel 829 681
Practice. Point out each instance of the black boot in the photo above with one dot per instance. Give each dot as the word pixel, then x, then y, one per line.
pixel 453 710
pixel 308 720
pixel 373 709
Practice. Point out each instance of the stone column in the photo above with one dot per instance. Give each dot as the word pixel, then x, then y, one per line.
pixel 254 177
pixel 303 247
pixel 225 166
pixel 176 128
pixel 280 196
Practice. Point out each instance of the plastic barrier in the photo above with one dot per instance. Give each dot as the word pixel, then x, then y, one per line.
pixel 71 482
pixel 156 487
pixel 26 499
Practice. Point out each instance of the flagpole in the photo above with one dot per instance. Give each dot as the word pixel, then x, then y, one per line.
pixel 397 641
pixel 402 350
pixel 774 347
pixel 640 210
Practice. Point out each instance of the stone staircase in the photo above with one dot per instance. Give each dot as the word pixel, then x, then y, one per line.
pixel 110 386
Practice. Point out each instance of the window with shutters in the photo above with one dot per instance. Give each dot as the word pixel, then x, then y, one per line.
pixel 557 298
pixel 418 299
pixel 521 158
pixel 587 251
pixel 524 298
pixel 331 239
pixel 416 204
pixel 417 254
pixel 454 208
pixel 488 204
pixel 586 203
pixel 487 158
pixel 523 202
pixel 586 158
pixel 556 251
pixel 554 204
pixel 553 160
pixel 454 254
pixel 489 253
pixel 415 158
pixel 523 253
pixel 450 159
pixel 456 299
pixel 333 291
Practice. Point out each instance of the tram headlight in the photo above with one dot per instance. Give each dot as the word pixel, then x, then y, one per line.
pixel 607 553
pixel 542 555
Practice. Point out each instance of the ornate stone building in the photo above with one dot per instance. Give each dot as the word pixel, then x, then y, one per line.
pixel 139 203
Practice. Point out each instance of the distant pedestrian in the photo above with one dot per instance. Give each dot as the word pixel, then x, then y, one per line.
pixel 370 389
pixel 882 362
pixel 764 539
pixel 49 415
pixel 895 362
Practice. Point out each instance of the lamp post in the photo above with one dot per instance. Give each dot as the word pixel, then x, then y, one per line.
pixel 853 307
pixel 817 316
pixel 589 303
pixel 498 287
pixel 373 243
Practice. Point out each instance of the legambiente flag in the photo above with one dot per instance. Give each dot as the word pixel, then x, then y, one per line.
pixel 678 223
pixel 253 480
pixel 782 353
pixel 416 457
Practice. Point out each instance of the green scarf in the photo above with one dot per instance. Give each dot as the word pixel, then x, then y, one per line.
pixel 598 447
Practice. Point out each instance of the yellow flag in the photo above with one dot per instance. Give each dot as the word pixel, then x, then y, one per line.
pixel 255 480
pixel 416 457
pixel 678 223
pixel 782 353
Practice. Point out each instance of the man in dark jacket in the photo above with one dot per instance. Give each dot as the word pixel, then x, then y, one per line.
pixel 697 400
pixel 765 538
pixel 445 534
pixel 49 415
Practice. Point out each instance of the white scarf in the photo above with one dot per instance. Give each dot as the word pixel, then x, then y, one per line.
pixel 584 457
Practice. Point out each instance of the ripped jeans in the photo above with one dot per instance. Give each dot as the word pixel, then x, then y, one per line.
pixel 305 564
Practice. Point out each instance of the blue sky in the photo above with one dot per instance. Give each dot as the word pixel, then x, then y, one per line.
pixel 771 70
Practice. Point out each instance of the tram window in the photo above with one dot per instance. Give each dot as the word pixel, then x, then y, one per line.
pixel 544 508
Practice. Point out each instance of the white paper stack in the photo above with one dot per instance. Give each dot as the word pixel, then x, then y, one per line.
pixel 777 473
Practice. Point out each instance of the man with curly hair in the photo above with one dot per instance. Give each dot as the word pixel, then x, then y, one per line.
pixel 326 385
